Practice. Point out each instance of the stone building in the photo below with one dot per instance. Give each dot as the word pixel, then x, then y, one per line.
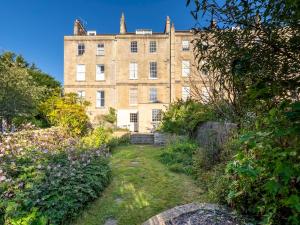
pixel 137 73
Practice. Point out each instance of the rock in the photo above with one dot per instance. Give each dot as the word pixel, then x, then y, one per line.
pixel 196 214
pixel 111 222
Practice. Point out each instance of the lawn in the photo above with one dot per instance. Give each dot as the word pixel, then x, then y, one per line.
pixel 141 188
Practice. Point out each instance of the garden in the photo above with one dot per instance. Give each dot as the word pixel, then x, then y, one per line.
pixel 56 168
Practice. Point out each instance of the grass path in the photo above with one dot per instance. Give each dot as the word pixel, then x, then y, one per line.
pixel 141 188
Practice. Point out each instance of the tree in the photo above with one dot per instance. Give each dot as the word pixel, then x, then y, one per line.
pixel 17 96
pixel 24 88
pixel 251 50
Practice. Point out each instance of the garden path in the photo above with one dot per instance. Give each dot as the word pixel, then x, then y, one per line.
pixel 141 188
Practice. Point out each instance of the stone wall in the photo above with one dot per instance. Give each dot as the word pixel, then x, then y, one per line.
pixel 139 138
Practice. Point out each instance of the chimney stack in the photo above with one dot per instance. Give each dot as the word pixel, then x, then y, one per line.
pixel 123 29
pixel 168 25
pixel 79 28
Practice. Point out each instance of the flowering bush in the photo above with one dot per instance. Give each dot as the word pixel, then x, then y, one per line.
pixel 45 178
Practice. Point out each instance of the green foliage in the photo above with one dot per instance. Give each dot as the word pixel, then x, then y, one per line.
pixel 182 117
pixel 251 52
pixel 178 156
pixel 265 171
pixel 97 137
pixel 47 179
pixel 67 112
pixel 17 95
pixel 111 117
pixel 118 141
pixel 23 89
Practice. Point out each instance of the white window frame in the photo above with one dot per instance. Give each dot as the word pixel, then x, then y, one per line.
pixel 80 72
pixel 186 93
pixel 80 48
pixel 186 68
pixel 100 99
pixel 133 117
pixel 133 96
pixel 153 70
pixel 133 71
pixel 152 46
pixel 100 49
pixel 153 94
pixel 185 44
pixel 81 94
pixel 133 46
pixel 100 72
pixel 156 115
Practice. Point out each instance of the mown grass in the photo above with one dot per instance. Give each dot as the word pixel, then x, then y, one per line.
pixel 141 188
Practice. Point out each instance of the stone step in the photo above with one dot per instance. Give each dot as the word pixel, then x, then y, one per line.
pixel 139 138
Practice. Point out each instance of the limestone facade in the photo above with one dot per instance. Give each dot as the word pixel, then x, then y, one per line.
pixel 138 73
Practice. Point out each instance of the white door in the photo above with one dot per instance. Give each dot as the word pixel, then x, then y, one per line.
pixel 133 122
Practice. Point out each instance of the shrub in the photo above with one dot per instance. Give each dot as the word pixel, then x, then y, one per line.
pixel 46 179
pixel 117 141
pixel 265 172
pixel 179 156
pixel 97 137
pixel 67 112
pixel 182 117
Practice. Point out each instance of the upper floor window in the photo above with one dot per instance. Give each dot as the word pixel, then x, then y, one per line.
pixel 100 49
pixel 80 49
pixel 100 99
pixel 156 115
pixel 133 96
pixel 152 46
pixel 81 94
pixel 133 71
pixel 153 95
pixel 186 93
pixel 153 70
pixel 185 45
pixel 133 46
pixel 185 68
pixel 80 72
pixel 100 72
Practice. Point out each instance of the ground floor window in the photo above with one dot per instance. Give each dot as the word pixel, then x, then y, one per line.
pixel 133 118
pixel 156 115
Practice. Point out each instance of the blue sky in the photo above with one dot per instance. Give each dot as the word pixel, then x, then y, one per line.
pixel 35 28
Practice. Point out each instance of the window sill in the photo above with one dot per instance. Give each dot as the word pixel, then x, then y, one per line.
pixel 153 78
pixel 99 55
pixel 133 78
pixel 100 80
pixel 80 80
pixel 101 107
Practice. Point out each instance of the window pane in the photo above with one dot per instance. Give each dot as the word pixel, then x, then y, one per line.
pixel 100 99
pixel 185 45
pixel 153 70
pixel 185 68
pixel 133 95
pixel 133 70
pixel 185 93
pixel 133 117
pixel 81 49
pixel 80 72
pixel 156 115
pixel 133 46
pixel 153 95
pixel 152 46
pixel 100 72
pixel 100 49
